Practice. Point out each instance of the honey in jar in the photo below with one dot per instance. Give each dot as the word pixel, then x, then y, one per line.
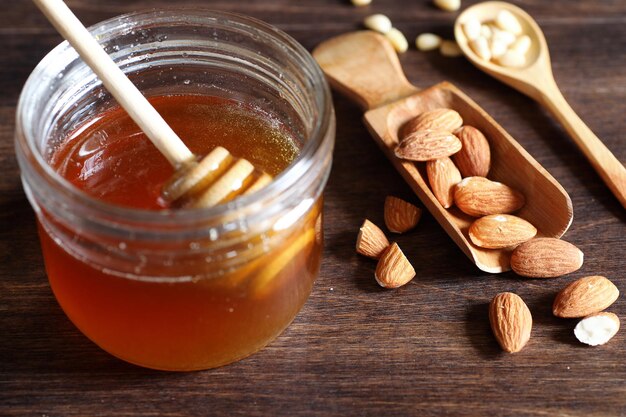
pixel 205 321
pixel 167 287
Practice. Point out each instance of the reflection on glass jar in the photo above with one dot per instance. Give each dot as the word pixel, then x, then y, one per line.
pixel 179 289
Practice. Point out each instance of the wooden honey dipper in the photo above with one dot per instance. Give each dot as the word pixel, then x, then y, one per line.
pixel 214 179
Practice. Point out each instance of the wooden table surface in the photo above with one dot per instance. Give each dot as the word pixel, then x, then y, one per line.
pixel 355 349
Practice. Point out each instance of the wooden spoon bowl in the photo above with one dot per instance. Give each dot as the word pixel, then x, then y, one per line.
pixel 365 67
pixel 535 79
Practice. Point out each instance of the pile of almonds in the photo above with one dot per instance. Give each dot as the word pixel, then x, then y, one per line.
pixel 394 269
pixel 586 298
pixel 501 40
pixel 457 161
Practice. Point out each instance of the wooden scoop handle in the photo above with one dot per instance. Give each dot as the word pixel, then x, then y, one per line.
pixel 124 91
pixel 365 67
pixel 610 169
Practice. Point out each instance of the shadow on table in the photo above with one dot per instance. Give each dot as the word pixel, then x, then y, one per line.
pixel 478 331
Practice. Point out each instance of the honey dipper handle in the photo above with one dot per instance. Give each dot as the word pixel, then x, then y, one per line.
pixel 610 169
pixel 124 91
pixel 365 67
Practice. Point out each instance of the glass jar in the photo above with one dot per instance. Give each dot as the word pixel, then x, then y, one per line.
pixel 181 289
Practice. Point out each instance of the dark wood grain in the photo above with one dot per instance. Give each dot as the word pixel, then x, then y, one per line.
pixel 355 349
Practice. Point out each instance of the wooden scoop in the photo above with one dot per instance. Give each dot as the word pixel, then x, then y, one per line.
pixel 364 66
pixel 535 79
pixel 215 179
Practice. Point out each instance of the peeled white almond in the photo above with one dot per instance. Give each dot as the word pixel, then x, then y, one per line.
pixel 448 5
pixel 507 21
pixel 521 45
pixel 450 49
pixel 480 46
pixel 497 48
pixel 428 42
pixel 378 22
pixel 485 30
pixel 503 36
pixel 398 40
pixel 471 28
pixel 597 329
pixel 512 60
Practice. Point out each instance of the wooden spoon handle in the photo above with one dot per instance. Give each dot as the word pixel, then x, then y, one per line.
pixel 610 169
pixel 124 91
pixel 365 67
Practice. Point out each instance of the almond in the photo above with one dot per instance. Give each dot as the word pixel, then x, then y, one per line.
pixel 400 216
pixel 546 257
pixel 597 329
pixel 474 158
pixel 585 296
pixel 511 321
pixel 478 196
pixel 425 145
pixel 499 231
pixel 438 119
pixel 371 241
pixel 443 175
pixel 393 269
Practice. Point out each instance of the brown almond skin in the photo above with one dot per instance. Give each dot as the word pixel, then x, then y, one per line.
pixel 400 216
pixel 474 158
pixel 478 196
pixel 443 176
pixel 427 145
pixel 394 269
pixel 585 296
pixel 546 258
pixel 437 119
pixel 499 231
pixel 371 241
pixel 511 321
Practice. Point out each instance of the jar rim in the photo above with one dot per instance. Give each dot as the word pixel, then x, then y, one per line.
pixel 288 178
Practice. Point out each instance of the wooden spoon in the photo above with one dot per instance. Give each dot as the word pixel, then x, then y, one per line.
pixel 365 67
pixel 535 79
pixel 215 179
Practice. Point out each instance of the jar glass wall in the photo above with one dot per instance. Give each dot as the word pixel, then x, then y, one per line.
pixel 181 289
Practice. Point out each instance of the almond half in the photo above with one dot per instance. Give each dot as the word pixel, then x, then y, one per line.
pixel 400 216
pixel 443 176
pixel 474 158
pixel 585 296
pixel 546 257
pixel 511 321
pixel 393 269
pixel 478 196
pixel 499 231
pixel 425 145
pixel 597 329
pixel 438 119
pixel 371 241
